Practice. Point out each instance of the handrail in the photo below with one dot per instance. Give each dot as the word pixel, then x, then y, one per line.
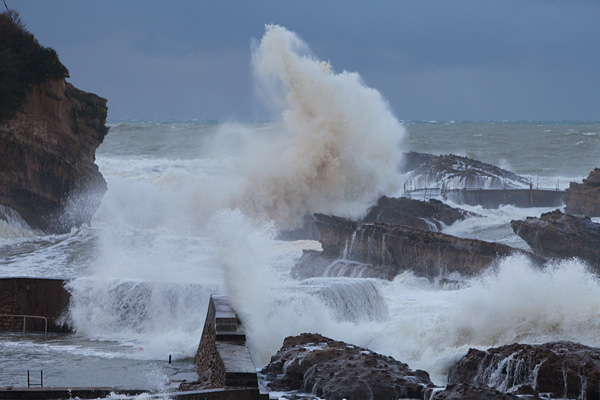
pixel 25 319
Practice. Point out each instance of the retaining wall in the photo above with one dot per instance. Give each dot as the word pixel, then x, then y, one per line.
pixel 222 359
pixel 494 198
pixel 33 296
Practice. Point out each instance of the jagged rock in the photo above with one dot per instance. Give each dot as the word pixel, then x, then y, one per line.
pixel 584 198
pixel 336 370
pixel 466 392
pixel 456 172
pixel 367 247
pixel 432 215
pixel 560 369
pixel 555 234
pixel 48 137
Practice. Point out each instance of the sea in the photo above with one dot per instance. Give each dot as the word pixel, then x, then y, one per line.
pixel 195 208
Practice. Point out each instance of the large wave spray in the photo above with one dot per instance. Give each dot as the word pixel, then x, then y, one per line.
pixel 339 143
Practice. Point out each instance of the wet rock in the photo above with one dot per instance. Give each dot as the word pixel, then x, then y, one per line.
pixel 584 198
pixel 47 142
pixel 466 392
pixel 350 246
pixel 336 370
pixel 432 215
pixel 555 234
pixel 558 369
pixel 456 172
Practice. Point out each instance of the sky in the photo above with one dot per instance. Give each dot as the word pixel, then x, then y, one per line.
pixel 461 60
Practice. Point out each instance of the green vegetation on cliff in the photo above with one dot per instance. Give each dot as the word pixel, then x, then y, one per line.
pixel 24 63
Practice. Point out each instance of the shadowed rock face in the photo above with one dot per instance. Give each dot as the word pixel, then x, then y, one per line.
pixel 584 198
pixel 555 234
pixel 561 369
pixel 390 249
pixel 430 215
pixel 336 370
pixel 47 153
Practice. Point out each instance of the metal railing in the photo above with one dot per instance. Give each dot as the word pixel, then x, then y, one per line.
pixel 25 320
pixel 41 384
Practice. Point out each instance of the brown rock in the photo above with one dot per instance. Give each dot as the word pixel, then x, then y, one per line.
pixel 336 370
pixel 560 369
pixel 47 154
pixel 430 215
pixel 555 234
pixel 584 198
pixel 394 248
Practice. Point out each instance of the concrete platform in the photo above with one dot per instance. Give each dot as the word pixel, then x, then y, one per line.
pixel 63 392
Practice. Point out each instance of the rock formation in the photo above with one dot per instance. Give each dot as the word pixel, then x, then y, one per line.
pixel 584 198
pixel 432 215
pixel 335 370
pixel 555 234
pixel 49 131
pixel 456 172
pixel 559 369
pixel 384 250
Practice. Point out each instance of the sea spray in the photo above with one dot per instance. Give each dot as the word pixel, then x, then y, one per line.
pixel 522 303
pixel 337 147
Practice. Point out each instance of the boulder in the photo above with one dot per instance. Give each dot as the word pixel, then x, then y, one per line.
pixel 584 198
pixel 555 234
pixel 384 250
pixel 432 215
pixel 49 132
pixel 336 370
pixel 559 369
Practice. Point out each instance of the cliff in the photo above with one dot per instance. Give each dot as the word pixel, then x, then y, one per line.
pixel 49 132
pixel 584 198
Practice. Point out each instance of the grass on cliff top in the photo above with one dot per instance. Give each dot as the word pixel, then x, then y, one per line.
pixel 24 63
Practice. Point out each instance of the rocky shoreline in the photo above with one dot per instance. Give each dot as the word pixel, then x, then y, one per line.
pixel 334 370
pixel 50 130
pixel 403 234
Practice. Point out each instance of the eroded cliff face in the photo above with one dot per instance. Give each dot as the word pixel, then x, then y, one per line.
pixel 584 198
pixel 47 154
pixel 380 250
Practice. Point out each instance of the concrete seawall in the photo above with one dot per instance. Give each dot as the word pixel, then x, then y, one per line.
pixel 37 297
pixel 223 361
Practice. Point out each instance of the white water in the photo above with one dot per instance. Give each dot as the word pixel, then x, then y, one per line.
pixel 193 209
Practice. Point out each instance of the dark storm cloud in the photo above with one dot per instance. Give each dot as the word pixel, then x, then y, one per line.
pixel 431 59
